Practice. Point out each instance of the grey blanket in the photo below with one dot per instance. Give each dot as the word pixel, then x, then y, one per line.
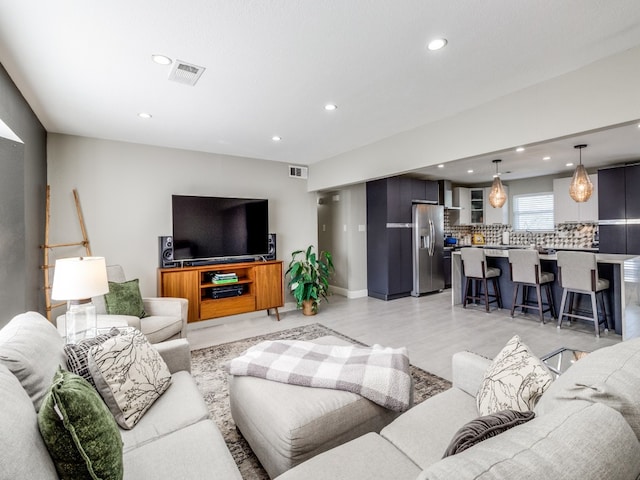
pixel 380 374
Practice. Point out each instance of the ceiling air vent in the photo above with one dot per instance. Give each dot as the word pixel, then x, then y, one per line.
pixel 187 73
pixel 298 172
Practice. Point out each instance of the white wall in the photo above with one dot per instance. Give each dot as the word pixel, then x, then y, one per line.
pixel 125 192
pixel 599 95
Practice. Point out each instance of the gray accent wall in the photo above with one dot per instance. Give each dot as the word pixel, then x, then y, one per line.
pixel 23 178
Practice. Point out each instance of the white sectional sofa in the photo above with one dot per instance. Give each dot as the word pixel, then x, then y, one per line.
pixel 174 439
pixel 587 427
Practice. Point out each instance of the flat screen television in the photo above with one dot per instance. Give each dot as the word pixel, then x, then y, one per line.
pixel 219 227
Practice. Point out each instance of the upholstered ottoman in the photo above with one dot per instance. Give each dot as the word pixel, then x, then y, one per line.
pixel 288 424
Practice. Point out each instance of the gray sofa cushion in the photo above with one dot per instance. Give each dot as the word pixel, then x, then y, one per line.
pixel 194 452
pixel 32 349
pixel 481 428
pixel 568 443
pixel 367 457
pixel 424 432
pixel 165 417
pixel 610 376
pixel 23 453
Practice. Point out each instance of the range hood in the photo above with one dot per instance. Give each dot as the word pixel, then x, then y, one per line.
pixel 445 195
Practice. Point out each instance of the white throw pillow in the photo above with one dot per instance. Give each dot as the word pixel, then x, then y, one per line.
pixel 515 380
pixel 129 375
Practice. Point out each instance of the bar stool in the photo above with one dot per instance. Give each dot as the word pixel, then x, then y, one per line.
pixel 578 273
pixel 474 267
pixel 525 271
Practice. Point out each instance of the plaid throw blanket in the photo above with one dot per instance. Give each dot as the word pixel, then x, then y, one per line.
pixel 377 373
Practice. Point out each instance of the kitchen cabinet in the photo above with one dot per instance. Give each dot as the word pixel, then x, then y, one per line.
pixel 389 217
pixel 496 215
pixel 619 210
pixel 475 208
pixel 477 205
pixel 462 199
pixel 565 209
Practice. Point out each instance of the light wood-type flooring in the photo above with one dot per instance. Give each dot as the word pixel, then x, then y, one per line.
pixel 429 326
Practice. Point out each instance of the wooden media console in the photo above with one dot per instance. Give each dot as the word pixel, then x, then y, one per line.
pixel 259 286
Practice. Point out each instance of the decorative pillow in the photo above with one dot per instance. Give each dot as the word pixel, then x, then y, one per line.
pixel 129 374
pixel 485 427
pixel 515 380
pixel 77 354
pixel 125 299
pixel 80 433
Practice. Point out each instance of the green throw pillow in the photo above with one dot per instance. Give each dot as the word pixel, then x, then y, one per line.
pixel 80 433
pixel 125 299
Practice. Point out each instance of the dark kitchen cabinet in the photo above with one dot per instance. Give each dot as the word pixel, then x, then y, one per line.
pixel 619 210
pixel 389 257
pixel 611 193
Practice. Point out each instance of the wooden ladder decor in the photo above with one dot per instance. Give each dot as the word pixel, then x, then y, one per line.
pixel 47 248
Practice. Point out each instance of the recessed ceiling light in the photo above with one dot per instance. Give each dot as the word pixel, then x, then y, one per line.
pixel 469 171
pixel 441 165
pixel 546 158
pixel 276 138
pixel 161 59
pixel 144 115
pixel 437 44
pixel 570 164
pixel 330 107
pixel 520 149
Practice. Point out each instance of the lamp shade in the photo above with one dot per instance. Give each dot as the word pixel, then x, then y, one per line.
pixel 497 195
pixel 581 187
pixel 79 278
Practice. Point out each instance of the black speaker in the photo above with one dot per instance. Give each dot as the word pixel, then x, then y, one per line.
pixel 165 252
pixel 271 255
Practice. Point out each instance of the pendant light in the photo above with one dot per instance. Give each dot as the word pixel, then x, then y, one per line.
pixel 581 187
pixel 497 196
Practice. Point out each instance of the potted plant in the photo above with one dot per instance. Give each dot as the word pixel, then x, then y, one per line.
pixel 309 278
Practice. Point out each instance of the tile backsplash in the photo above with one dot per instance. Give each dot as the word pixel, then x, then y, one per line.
pixel 566 235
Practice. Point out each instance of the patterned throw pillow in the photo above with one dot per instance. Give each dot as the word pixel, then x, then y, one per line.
pixel 125 299
pixel 79 431
pixel 129 374
pixel 485 427
pixel 515 380
pixel 77 354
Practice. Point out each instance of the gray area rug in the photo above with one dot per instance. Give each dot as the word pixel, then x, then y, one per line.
pixel 207 366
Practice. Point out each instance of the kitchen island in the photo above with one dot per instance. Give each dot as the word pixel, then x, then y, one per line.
pixel 622 271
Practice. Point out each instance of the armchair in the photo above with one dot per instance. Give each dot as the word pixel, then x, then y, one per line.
pixel 166 316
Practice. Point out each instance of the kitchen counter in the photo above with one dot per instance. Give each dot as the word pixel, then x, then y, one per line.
pixel 622 271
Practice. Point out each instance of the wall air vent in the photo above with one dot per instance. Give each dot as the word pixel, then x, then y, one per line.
pixel 296 171
pixel 187 73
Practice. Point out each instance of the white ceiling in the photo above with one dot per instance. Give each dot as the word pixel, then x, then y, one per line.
pixel 85 68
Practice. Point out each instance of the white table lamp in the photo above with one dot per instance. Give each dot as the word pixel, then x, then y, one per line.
pixel 76 280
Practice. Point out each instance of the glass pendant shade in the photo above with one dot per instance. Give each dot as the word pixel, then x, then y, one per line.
pixel 497 195
pixel 581 187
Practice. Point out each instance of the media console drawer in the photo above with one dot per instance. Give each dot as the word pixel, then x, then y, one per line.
pixel 221 307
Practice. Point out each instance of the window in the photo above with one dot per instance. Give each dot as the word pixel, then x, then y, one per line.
pixel 533 212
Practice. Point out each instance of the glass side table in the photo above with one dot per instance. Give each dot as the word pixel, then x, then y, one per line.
pixel 561 359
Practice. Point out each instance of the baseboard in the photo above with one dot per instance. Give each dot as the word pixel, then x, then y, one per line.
pixel 349 293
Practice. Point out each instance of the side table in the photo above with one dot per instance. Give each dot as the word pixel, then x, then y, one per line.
pixel 561 359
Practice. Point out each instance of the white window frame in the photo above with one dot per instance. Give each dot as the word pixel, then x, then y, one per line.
pixel 540 214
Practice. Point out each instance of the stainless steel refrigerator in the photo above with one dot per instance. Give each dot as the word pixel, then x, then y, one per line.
pixel 428 248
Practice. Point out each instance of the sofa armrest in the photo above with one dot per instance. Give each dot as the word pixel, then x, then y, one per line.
pixel 166 306
pixel 468 370
pixel 176 354
pixel 169 307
